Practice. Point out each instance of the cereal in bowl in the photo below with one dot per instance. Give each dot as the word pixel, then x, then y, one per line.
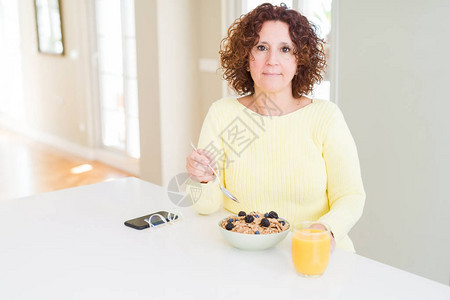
pixel 255 223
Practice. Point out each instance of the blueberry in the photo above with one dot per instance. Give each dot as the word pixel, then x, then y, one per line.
pixel 249 219
pixel 273 215
pixel 229 226
pixel 230 220
pixel 265 222
pixel 256 232
pixel 266 215
pixel 256 216
pixel 242 214
pixel 282 223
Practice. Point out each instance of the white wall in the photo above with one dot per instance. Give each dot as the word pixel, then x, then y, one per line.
pixel 174 95
pixel 148 90
pixel 178 77
pixel 55 90
pixel 210 35
pixel 393 72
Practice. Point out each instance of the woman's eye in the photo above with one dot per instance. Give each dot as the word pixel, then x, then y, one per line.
pixel 261 47
pixel 286 49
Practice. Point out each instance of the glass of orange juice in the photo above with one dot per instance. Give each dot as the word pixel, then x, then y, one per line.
pixel 311 248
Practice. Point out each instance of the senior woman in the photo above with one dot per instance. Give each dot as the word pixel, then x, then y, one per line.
pixel 274 148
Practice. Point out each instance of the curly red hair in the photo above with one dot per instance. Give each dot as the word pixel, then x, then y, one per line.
pixel 243 35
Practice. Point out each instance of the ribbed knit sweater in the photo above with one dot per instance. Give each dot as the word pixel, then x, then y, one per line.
pixel 303 165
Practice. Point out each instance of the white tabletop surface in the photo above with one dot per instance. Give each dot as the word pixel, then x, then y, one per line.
pixel 72 244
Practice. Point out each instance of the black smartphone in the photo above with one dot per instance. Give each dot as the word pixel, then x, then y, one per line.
pixel 140 224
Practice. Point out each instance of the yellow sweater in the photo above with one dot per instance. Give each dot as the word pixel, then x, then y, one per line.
pixel 303 165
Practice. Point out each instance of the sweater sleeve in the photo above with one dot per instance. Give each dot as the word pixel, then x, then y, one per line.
pixel 345 189
pixel 211 198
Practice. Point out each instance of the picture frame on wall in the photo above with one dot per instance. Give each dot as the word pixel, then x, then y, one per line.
pixel 49 26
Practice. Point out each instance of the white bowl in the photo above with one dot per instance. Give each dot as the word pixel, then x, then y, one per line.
pixel 247 241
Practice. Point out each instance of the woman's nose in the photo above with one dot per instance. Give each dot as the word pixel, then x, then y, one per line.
pixel 272 57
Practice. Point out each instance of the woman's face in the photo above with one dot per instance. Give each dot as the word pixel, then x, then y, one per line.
pixel 272 61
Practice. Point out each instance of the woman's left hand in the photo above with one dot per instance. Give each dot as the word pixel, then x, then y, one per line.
pixel 322 227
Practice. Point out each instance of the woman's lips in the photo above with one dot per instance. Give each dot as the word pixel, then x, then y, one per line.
pixel 271 74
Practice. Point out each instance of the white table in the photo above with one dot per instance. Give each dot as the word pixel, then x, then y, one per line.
pixel 72 244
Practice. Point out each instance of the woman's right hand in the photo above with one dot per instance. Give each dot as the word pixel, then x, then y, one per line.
pixel 197 166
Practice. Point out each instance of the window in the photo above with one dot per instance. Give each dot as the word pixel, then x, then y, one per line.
pixel 319 13
pixel 248 5
pixel 116 48
pixel 11 97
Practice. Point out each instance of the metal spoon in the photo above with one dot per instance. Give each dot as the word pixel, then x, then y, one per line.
pixel 222 188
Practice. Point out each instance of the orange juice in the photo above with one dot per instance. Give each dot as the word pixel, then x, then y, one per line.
pixel 310 251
